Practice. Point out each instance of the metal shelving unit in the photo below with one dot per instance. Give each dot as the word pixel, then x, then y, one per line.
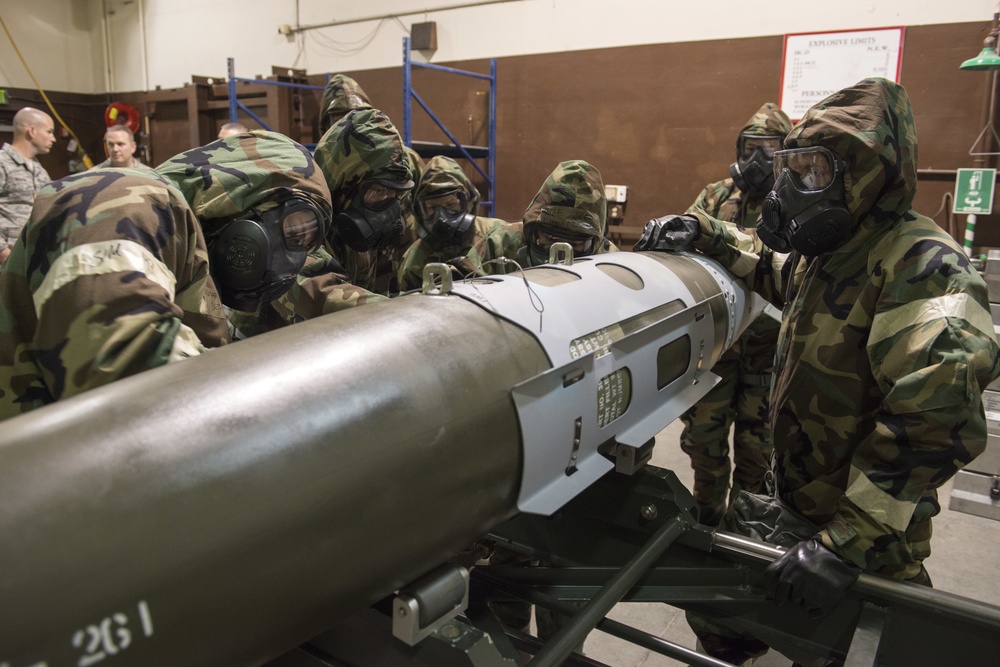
pixel 456 149
pixel 235 105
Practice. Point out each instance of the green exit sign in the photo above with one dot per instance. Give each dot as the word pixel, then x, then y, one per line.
pixel 974 190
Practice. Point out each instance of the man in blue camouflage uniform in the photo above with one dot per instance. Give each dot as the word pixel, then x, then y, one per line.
pixel 739 401
pixel 885 347
pixel 122 270
pixel 21 174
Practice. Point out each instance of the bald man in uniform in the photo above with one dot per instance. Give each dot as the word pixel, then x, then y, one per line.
pixel 229 129
pixel 21 174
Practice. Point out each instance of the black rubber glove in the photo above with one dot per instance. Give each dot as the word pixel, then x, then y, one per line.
pixel 671 232
pixel 811 576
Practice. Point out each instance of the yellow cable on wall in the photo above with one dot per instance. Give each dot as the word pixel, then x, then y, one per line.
pixel 55 114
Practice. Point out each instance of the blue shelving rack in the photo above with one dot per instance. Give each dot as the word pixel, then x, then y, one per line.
pixel 235 105
pixel 456 149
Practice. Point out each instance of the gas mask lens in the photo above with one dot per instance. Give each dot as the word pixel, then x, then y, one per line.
pixel 450 201
pixel 379 197
pixel 255 258
pixel 751 143
pixel 301 228
pixel 812 169
pixel 544 240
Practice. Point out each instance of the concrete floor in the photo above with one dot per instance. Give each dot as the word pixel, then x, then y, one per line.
pixel 965 559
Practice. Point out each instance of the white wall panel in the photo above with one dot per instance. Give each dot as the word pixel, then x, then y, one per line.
pixel 63 40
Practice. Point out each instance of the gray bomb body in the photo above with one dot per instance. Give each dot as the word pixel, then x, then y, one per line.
pixel 227 508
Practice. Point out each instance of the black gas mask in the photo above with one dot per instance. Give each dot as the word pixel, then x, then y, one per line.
pixel 753 171
pixel 255 258
pixel 806 210
pixel 374 218
pixel 445 223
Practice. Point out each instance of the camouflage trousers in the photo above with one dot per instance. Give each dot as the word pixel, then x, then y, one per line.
pixel 739 402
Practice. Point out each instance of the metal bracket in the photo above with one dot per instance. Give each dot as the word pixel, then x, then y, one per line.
pixel 630 459
pixel 430 602
pixel 433 272
pixel 867 635
pixel 561 253
pixel 461 643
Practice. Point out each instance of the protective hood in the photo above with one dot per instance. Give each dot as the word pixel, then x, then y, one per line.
pixel 228 177
pixel 769 121
pixel 443 175
pixel 870 126
pixel 415 164
pixel 362 146
pixel 141 203
pixel 342 94
pixel 103 206
pixel 753 171
pixel 571 198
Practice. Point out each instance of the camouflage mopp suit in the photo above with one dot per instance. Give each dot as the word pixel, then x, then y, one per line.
pixel 109 278
pixel 885 349
pixel 111 275
pixel 740 400
pixel 444 175
pixel 570 203
pixel 375 270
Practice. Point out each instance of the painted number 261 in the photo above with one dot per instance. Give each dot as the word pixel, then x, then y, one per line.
pixel 110 636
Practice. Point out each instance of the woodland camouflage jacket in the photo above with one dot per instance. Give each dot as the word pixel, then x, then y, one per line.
pixel 109 278
pixel 723 200
pixel 886 345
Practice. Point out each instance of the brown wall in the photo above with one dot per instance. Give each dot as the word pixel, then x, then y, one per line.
pixel 661 119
